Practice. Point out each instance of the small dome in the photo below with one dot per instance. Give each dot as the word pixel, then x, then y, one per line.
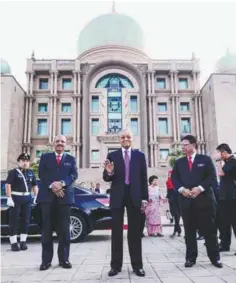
pixel 227 63
pixel 111 29
pixel 4 67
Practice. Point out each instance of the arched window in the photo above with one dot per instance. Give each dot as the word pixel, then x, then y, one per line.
pixel 114 84
pixel 118 79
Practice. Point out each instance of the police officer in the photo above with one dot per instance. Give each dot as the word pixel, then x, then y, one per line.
pixel 19 183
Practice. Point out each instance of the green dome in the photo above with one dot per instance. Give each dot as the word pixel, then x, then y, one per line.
pixel 4 67
pixel 227 63
pixel 111 29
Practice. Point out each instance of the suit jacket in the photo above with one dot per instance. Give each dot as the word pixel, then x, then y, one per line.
pixel 49 171
pixel 138 178
pixel 203 174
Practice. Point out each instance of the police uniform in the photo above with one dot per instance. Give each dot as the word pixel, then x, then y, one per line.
pixel 21 181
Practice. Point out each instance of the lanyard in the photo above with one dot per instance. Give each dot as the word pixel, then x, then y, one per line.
pixel 26 186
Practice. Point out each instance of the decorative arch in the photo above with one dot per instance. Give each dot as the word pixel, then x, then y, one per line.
pixel 116 79
pixel 105 66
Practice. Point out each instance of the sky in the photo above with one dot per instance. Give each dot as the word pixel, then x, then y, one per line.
pixel 172 29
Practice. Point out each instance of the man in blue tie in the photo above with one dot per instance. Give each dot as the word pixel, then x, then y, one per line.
pixel 126 169
pixel 57 172
pixel 193 177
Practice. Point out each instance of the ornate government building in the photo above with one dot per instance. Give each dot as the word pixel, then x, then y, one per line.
pixel 112 84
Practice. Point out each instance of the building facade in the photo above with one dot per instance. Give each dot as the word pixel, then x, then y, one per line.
pixel 12 118
pixel 219 104
pixel 111 85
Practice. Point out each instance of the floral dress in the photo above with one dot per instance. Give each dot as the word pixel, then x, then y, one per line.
pixel 152 211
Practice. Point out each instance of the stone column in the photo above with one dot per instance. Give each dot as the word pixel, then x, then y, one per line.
pixel 196 117
pixel 78 129
pixel 149 82
pixel 153 82
pixel 51 83
pixel 177 118
pixel 55 82
pixel 28 82
pixel 143 114
pixel 74 119
pixel 51 119
pixel 176 81
pixel 79 83
pixel 172 98
pixel 172 87
pixel 201 120
pixel 26 118
pixel 150 128
pixel 75 82
pixel 54 117
pixel 31 82
pixel 154 128
pixel 30 119
pixel 156 154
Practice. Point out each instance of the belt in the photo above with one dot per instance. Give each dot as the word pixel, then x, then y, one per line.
pixel 20 193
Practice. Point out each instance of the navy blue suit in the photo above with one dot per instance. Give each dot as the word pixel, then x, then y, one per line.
pixel 129 196
pixel 201 211
pixel 55 210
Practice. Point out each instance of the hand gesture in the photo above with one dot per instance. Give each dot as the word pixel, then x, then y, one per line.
pixel 108 166
pixel 58 189
pixel 186 193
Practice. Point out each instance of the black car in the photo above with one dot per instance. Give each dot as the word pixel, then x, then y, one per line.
pixel 90 212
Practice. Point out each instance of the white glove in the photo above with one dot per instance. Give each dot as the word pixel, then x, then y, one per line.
pixel 10 202
pixel 35 199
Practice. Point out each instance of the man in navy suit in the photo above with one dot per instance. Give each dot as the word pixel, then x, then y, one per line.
pixel 126 169
pixel 193 177
pixel 57 172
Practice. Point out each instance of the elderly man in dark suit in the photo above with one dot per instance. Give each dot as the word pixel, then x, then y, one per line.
pixel 126 169
pixel 57 172
pixel 193 177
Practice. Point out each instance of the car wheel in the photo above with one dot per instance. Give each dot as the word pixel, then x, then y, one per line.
pixel 78 227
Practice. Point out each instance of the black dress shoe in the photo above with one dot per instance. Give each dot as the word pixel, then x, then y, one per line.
pixel 114 272
pixel 15 247
pixel 45 266
pixel 199 238
pixel 23 246
pixel 218 264
pixel 65 264
pixel 139 272
pixel 189 263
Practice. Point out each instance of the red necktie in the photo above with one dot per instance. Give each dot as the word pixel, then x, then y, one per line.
pixel 190 163
pixel 58 159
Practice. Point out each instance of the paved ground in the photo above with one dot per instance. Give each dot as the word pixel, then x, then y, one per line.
pixel 163 262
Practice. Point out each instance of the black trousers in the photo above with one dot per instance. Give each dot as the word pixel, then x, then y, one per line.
pixel 174 209
pixel 204 219
pixel 21 211
pixel 227 219
pixel 55 217
pixel 134 233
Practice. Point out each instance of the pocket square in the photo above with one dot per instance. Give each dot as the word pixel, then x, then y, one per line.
pixel 200 165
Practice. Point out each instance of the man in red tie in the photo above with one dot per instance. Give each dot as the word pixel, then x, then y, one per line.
pixel 193 177
pixel 57 172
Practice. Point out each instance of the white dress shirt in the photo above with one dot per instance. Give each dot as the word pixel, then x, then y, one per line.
pixel 200 187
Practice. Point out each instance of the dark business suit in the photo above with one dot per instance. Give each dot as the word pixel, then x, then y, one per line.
pixel 129 196
pixel 55 210
pixel 201 211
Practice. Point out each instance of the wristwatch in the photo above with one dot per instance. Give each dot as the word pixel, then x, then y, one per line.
pixel 218 159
